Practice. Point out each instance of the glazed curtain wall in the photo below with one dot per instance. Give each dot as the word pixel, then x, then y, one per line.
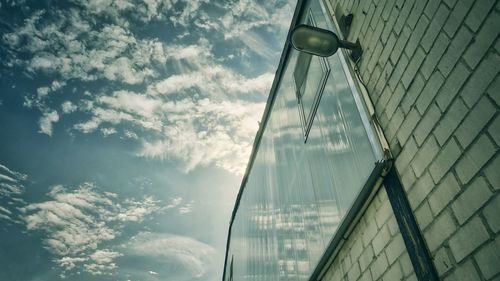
pixel 298 192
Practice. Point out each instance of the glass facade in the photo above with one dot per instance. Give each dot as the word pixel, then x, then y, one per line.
pixel 298 192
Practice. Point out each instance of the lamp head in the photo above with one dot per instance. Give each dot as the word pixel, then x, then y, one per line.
pixel 315 41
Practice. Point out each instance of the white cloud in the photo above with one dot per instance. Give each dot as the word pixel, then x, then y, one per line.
pixel 68 107
pixel 46 122
pixel 11 189
pixel 190 255
pixel 153 272
pixel 76 222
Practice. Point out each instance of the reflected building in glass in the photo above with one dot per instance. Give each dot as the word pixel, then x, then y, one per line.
pixel 313 158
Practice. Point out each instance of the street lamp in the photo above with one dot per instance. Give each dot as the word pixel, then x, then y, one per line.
pixel 321 42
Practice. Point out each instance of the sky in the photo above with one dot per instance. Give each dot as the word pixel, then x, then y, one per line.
pixel 125 130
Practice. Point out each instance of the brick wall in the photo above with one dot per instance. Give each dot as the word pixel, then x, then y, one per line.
pixel 432 72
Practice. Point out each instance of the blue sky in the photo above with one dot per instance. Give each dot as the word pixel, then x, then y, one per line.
pixel 125 127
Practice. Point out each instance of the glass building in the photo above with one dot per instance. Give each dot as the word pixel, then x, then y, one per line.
pixel 314 164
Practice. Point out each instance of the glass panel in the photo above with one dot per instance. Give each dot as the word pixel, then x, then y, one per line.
pixel 298 193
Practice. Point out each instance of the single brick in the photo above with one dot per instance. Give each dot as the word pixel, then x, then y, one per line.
pixel 408 179
pixel 492 173
pixel 450 121
pixel 395 249
pixel 366 258
pixel 354 272
pixel 376 19
pixel 445 160
pixel 356 249
pixel 388 47
pixel 406 155
pixel 381 240
pixel 478 13
pixel 413 66
pixel 443 193
pixel 400 44
pixel 427 124
pixel 434 27
pixel 483 40
pixel 429 92
pixel 389 25
pixel 416 35
pixel 465 272
pixel 491 212
pixel 419 192
pixel 475 121
pixel 425 155
pixel 394 101
pixel 471 200
pixel 369 232
pixel 424 215
pixel 416 13
pixel 394 124
pixel 394 273
pixel 442 261
pixel 474 159
pixel 379 266
pixel 468 238
pixel 457 46
pixel 434 55
pixel 384 213
pixel 442 227
pixel 412 94
pixel 453 83
pixel 457 16
pixel 431 8
pixel 482 77
pixel 403 15
pixel 488 259
pixel 494 89
pixel 387 9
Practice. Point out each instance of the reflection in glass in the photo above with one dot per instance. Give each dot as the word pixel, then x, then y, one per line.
pixel 297 193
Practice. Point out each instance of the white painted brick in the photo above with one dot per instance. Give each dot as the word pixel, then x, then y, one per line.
pixel 483 40
pixel 450 121
pixel 412 94
pixel 406 265
pixel 431 8
pixel 408 126
pixel 381 240
pixel 354 272
pixel 426 124
pixel 442 227
pixel 379 266
pixel 393 225
pixel 488 259
pixel 424 215
pixel 408 179
pixel 394 273
pixel 419 192
pixel 444 193
pixel 457 46
pixel 474 159
pixel 366 258
pixel 399 46
pixel 395 248
pixel 492 172
pixel 429 92
pixel 453 83
pixel 434 27
pixel 398 71
pixel 465 272
pixel 457 16
pixel 412 68
pixel 468 238
pixel 406 155
pixel 416 13
pixel 403 15
pixel 494 89
pixel 394 101
pixel 434 55
pixel 475 121
pixel 445 160
pixel 494 130
pixel 492 214
pixel 384 213
pixel 394 124
pixel 416 36
pixel 425 155
pixel 482 77
pixel 442 261
pixel 478 13
pixel 471 199
pixel 356 248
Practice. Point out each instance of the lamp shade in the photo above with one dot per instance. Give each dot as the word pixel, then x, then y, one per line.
pixel 315 41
